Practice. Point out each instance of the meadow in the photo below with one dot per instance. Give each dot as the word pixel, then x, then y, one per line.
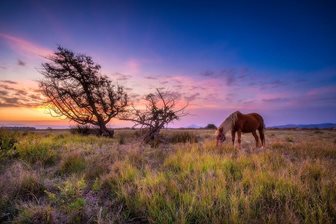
pixel 59 177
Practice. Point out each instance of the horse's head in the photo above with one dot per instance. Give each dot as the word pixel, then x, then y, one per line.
pixel 220 136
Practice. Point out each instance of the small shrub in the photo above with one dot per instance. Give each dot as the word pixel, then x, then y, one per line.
pixel 80 129
pixel 85 130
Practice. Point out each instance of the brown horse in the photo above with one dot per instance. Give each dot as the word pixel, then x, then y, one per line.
pixel 246 123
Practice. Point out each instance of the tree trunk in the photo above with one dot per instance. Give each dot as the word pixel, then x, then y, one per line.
pixel 153 135
pixel 104 131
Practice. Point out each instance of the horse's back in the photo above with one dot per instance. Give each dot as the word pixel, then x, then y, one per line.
pixel 252 122
pixel 260 120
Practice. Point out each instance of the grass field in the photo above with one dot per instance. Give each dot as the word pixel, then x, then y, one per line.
pixel 58 177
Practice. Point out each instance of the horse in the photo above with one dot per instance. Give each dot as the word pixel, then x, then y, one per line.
pixel 242 123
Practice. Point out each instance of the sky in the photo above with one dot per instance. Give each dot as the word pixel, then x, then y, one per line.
pixel 276 58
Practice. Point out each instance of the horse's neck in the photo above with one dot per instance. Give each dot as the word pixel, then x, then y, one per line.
pixel 227 126
pixel 229 122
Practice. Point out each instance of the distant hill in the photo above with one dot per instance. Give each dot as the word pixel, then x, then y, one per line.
pixel 193 126
pixel 307 126
pixel 19 128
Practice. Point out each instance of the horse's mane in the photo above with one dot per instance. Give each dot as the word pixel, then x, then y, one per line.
pixel 229 122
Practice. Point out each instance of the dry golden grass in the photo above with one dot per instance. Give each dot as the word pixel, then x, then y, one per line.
pixel 64 178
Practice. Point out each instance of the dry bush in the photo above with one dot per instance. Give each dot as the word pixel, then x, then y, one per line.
pixel 161 108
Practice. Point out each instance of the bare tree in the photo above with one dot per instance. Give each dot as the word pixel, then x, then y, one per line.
pixel 160 110
pixel 75 88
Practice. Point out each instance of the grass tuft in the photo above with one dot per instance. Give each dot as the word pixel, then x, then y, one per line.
pixel 73 163
pixel 35 214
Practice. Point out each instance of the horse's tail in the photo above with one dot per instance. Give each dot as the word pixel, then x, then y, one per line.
pixel 262 123
pixel 262 126
pixel 262 130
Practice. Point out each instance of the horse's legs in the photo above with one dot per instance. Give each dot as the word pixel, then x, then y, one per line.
pixel 254 133
pixel 262 136
pixel 239 138
pixel 233 134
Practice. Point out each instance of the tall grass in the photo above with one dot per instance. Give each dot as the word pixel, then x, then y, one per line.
pixel 69 178
pixel 194 185
pixel 34 150
pixel 182 137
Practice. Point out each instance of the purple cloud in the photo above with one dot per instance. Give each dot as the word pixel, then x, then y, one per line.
pixel 151 77
pixel 21 63
pixel 192 97
pixel 207 73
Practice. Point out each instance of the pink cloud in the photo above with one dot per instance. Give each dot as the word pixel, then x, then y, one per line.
pixel 323 90
pixel 133 65
pixel 22 45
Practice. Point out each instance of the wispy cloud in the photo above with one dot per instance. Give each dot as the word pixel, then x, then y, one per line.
pixel 276 100
pixel 23 45
pixel 151 77
pixel 326 90
pixel 207 73
pixel 230 75
pixel 121 77
pixel 8 82
pixel 13 95
pixel 191 97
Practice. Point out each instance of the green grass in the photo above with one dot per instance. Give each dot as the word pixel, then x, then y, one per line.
pixel 73 163
pixel 65 178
